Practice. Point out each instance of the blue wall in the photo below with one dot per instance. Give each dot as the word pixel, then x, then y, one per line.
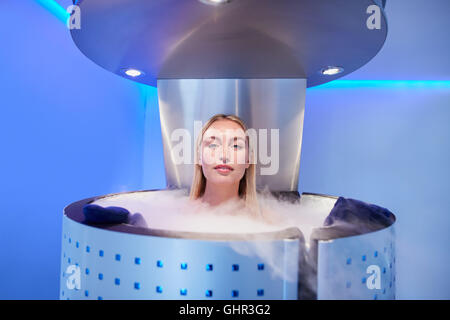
pixel 388 145
pixel 69 130
pixel 72 130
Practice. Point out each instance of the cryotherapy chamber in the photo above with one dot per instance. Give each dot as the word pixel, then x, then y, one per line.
pixel 254 59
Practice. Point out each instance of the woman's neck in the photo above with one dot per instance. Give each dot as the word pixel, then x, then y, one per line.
pixel 217 194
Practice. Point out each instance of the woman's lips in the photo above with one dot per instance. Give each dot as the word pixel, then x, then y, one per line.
pixel 223 169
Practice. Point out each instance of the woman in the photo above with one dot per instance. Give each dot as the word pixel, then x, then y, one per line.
pixel 224 168
pixel 224 176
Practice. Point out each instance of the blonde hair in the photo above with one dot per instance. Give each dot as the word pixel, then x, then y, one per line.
pixel 247 185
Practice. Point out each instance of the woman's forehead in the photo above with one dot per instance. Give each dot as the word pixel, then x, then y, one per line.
pixel 224 128
pixel 228 133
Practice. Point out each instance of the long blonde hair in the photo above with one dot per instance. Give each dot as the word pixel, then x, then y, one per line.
pixel 247 185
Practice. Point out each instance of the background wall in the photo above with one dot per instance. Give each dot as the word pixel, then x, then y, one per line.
pixel 388 146
pixel 71 130
pixel 68 130
pixel 388 141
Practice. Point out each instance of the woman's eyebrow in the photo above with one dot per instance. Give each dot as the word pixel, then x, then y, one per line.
pixel 213 137
pixel 234 139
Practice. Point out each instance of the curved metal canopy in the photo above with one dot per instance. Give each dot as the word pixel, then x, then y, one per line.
pixel 188 39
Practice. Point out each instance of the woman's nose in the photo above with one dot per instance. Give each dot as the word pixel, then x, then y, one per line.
pixel 224 157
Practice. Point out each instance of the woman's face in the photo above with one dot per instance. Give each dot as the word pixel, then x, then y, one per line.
pixel 224 150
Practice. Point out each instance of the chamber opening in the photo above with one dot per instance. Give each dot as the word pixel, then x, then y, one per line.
pixel 170 212
pixel 289 248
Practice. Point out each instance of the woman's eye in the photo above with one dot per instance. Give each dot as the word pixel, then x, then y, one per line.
pixel 238 146
pixel 211 145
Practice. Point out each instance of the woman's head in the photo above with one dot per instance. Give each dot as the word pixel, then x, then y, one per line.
pixel 224 158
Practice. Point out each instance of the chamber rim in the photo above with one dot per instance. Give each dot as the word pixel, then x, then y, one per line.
pixel 74 212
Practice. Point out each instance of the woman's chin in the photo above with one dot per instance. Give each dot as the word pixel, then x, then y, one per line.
pixel 219 178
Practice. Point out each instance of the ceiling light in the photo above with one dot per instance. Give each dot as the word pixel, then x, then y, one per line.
pixel 331 70
pixel 133 72
pixel 214 2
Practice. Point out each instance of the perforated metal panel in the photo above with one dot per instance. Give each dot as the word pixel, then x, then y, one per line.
pixel 105 264
pixel 127 262
pixel 357 267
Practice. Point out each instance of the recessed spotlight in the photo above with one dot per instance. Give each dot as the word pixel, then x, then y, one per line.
pixel 331 70
pixel 215 2
pixel 133 72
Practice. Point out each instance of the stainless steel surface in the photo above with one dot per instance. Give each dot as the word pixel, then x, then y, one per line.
pixel 344 263
pixel 181 39
pixel 251 58
pixel 347 267
pixel 116 265
pixel 261 103
pixel 358 267
pixel 114 262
